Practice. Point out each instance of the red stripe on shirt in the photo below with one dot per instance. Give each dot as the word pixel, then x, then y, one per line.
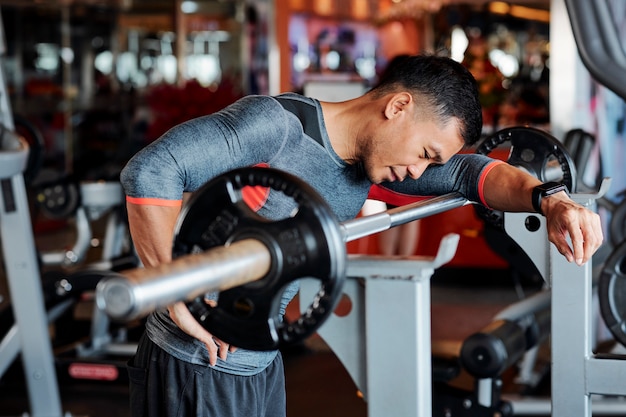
pixel 255 197
pixel 481 180
pixel 154 201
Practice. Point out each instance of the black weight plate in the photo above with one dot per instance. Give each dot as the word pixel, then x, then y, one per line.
pixel 307 244
pixel 612 293
pixel 58 199
pixel 617 225
pixel 534 151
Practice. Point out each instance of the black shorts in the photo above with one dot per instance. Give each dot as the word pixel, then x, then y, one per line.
pixel 163 386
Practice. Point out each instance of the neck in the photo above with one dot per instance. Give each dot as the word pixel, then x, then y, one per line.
pixel 344 121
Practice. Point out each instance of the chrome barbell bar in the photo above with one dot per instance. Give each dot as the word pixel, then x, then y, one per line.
pixel 137 292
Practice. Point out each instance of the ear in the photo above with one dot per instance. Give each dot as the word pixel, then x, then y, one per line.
pixel 397 104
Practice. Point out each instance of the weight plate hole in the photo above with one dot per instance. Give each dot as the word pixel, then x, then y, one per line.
pixel 527 155
pixel 244 307
pixel 344 306
pixel 552 169
pixel 532 223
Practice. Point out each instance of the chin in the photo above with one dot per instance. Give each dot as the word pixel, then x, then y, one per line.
pixel 375 179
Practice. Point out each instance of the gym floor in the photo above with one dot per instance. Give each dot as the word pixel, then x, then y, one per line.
pixel 463 301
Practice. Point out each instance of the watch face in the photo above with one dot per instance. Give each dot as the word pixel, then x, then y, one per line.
pixel 550 188
pixel 545 190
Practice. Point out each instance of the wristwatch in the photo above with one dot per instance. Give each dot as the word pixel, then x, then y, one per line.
pixel 545 190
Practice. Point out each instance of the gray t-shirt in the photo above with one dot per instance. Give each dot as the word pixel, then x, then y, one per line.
pixel 255 130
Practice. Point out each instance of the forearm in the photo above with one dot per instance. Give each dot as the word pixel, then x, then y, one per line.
pixel 152 230
pixel 507 188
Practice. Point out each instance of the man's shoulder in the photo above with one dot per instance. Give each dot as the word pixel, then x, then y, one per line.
pixel 268 103
pixel 292 95
pixel 257 107
pixel 295 97
pixel 277 101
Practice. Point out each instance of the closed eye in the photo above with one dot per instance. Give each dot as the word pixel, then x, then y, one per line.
pixel 437 159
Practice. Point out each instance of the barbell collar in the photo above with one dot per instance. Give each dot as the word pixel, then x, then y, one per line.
pixel 137 292
pixel 379 222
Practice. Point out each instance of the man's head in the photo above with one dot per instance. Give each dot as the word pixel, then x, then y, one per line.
pixel 441 86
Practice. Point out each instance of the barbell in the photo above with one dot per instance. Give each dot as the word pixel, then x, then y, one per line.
pixel 221 245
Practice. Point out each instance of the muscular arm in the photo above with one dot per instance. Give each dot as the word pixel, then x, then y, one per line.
pixel 504 187
pixel 251 131
pixel 507 188
pixel 246 133
pixel 152 230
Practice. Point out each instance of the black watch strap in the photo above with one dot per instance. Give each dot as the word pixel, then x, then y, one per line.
pixel 545 190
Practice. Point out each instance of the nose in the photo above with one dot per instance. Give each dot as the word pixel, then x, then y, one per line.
pixel 416 170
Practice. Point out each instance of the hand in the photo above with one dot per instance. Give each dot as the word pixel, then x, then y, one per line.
pixel 566 218
pixel 182 317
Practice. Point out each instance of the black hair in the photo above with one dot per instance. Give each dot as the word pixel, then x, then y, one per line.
pixel 447 87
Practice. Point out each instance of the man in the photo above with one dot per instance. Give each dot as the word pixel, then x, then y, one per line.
pixel 404 134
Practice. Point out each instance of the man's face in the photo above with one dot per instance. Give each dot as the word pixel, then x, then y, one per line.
pixel 405 147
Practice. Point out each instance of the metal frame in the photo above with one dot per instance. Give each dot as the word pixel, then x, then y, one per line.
pixel 20 261
pixel 390 300
pixel 577 374
pixel 18 248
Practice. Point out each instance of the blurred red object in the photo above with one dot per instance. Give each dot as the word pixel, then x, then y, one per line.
pixel 171 105
pixel 36 87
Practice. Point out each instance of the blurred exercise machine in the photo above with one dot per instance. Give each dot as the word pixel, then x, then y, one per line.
pixel 83 203
pixel 22 270
pixel 38 300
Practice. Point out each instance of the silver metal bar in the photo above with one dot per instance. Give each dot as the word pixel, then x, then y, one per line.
pixel 379 222
pixel 24 283
pixel 137 292
pixel 524 308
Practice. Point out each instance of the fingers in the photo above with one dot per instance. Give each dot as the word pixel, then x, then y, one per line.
pixel 586 237
pixel 593 237
pixel 182 317
pixel 578 245
pixel 584 229
pixel 218 349
pixel 213 349
pixel 222 349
